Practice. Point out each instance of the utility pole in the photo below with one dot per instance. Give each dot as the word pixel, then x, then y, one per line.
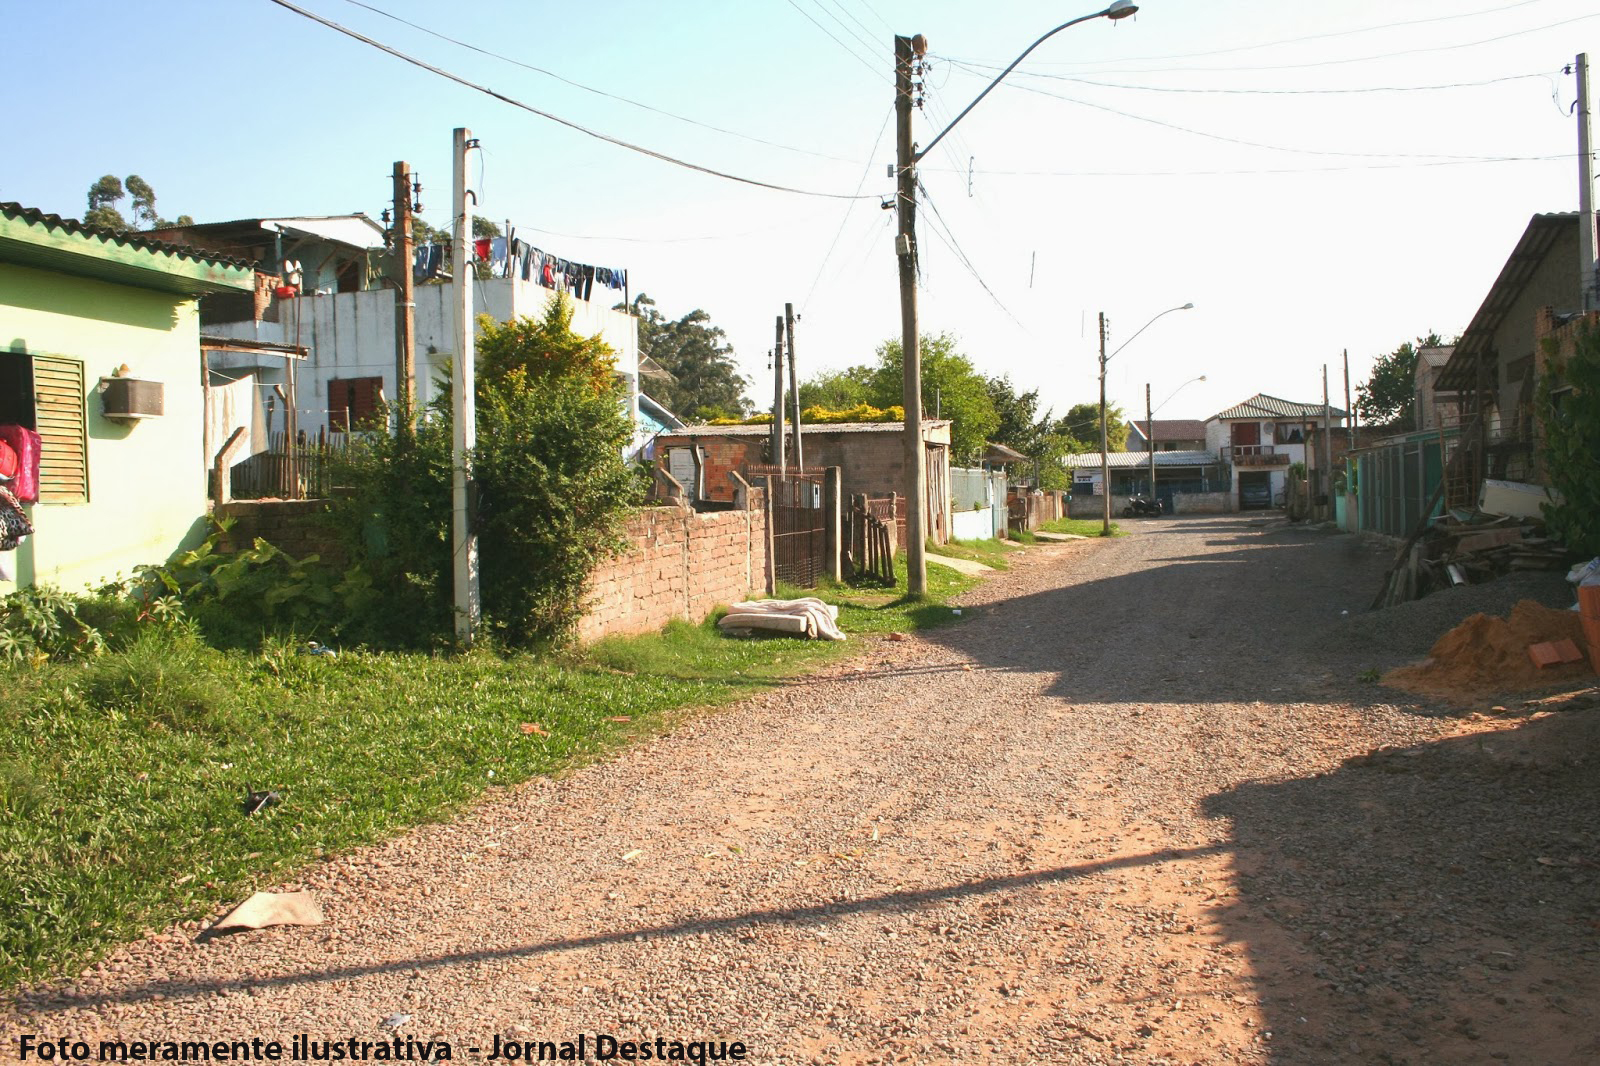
pixel 779 460
pixel 1327 446
pixel 905 50
pixel 1588 274
pixel 1105 459
pixel 1150 438
pixel 405 306
pixel 464 437
pixel 1349 412
pixel 794 390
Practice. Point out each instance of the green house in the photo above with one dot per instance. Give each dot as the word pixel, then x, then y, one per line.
pixel 100 355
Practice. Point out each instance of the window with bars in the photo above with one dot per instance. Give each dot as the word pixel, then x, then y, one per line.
pixel 45 394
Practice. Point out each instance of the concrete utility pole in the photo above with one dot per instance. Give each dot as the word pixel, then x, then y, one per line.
pixel 405 304
pixel 779 459
pixel 905 51
pixel 464 438
pixel 1349 412
pixel 1588 273
pixel 1105 458
pixel 1150 439
pixel 794 390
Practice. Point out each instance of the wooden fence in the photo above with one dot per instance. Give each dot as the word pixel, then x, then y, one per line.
pixel 871 538
pixel 301 471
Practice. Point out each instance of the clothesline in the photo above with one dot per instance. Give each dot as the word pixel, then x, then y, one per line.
pixel 511 257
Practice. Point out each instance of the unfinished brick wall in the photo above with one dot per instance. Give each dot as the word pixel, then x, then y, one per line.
pixel 295 527
pixel 683 564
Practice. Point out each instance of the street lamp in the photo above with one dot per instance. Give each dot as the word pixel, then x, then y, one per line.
pixel 1150 425
pixel 1105 457
pixel 906 51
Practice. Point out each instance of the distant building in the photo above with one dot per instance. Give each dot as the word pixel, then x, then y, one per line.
pixel 1168 435
pixel 1260 438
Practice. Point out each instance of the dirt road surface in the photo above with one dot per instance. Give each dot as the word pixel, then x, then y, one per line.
pixel 1137 805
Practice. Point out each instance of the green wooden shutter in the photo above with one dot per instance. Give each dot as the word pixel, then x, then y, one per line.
pixel 63 446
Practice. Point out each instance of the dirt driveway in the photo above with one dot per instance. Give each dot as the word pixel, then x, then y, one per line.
pixel 1137 806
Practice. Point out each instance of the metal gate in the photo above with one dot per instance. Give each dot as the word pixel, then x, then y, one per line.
pixel 799 527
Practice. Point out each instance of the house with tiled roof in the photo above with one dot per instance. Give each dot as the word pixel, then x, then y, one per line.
pixel 100 377
pixel 1260 438
pixel 1166 435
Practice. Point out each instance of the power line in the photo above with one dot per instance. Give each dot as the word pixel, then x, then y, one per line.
pixel 868 5
pixel 850 31
pixel 1336 62
pixel 853 53
pixel 1317 36
pixel 458 79
pixel 1252 144
pixel 1272 170
pixel 865 34
pixel 1265 92
pixel 589 88
pixel 961 256
pixel 871 155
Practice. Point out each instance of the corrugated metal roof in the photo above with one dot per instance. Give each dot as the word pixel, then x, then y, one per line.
pixel 1173 428
pixel 1437 356
pixel 124 238
pixel 761 429
pixel 1460 373
pixel 1263 406
pixel 1121 460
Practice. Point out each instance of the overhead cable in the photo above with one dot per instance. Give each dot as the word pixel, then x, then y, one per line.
pixel 591 89
pixel 458 79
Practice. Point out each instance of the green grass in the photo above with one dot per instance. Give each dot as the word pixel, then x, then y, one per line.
pixel 121 780
pixel 989 552
pixel 1083 527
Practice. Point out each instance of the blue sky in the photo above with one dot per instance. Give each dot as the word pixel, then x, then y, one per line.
pixel 1107 174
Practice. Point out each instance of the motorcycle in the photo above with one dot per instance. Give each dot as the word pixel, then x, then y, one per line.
pixel 1141 507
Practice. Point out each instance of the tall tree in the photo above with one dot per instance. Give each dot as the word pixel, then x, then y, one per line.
pixel 951 386
pixel 1388 398
pixel 103 198
pixel 143 202
pixel 705 381
pixel 109 191
pixel 1079 428
pixel 1021 426
pixel 838 390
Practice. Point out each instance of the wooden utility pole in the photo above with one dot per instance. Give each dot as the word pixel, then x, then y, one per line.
pixel 911 388
pixel 1588 276
pixel 1349 412
pixel 405 305
pixel 779 459
pixel 464 434
pixel 794 391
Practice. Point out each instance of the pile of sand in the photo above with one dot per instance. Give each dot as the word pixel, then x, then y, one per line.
pixel 1486 655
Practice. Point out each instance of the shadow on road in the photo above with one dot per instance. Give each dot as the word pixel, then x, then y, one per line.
pixel 1463 913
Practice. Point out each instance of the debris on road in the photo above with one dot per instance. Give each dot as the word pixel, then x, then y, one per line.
pixel 808 617
pixel 1469 548
pixel 1487 654
pixel 270 908
pixel 256 802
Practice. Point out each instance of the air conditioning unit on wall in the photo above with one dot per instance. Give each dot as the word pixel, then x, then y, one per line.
pixel 131 398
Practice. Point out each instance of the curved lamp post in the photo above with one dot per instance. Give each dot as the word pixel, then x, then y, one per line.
pixel 1150 424
pixel 906 159
pixel 1105 457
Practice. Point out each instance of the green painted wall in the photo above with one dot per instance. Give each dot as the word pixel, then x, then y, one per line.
pixel 146 479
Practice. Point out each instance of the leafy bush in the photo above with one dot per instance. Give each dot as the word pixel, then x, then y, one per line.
pixel 41 622
pixel 551 481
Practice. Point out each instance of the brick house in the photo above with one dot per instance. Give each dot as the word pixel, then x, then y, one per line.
pixel 870 457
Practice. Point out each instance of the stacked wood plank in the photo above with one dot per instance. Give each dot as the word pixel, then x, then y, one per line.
pixel 1468 548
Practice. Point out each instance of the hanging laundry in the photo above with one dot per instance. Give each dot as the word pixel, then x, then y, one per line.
pixel 25 443
pixel 497 257
pixel 481 248
pixel 14 524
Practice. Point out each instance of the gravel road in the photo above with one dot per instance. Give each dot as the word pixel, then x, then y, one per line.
pixel 1136 806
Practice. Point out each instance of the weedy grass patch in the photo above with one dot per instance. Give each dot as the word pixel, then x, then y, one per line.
pixel 123 777
pixel 1083 527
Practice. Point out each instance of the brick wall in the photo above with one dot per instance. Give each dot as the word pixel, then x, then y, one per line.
pixel 683 564
pixel 295 527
